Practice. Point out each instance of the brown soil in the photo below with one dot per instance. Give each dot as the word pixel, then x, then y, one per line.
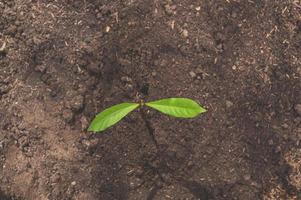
pixel 61 62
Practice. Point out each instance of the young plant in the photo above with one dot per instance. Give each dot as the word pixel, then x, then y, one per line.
pixel 176 107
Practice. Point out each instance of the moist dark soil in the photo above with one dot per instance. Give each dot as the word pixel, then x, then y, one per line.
pixel 62 62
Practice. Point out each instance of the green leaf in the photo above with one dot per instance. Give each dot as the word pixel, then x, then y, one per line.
pixel 177 107
pixel 111 116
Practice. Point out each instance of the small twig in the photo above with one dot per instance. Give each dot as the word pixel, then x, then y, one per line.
pixel 296 4
pixel 2 48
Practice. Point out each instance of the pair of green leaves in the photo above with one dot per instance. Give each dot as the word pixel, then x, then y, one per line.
pixel 176 107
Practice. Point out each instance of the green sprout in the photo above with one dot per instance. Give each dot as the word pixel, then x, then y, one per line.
pixel 176 107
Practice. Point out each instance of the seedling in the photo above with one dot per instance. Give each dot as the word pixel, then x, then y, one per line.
pixel 176 107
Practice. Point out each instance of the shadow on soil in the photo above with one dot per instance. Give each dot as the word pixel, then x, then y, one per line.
pixel 5 197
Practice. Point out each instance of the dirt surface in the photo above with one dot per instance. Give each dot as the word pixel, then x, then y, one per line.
pixel 61 62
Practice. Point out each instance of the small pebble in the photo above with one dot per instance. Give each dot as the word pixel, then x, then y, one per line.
pixel 185 33
pixel 285 126
pixel 169 10
pixel 108 28
pixel 73 183
pixel 192 74
pixel 229 104
pixel 40 68
pixel 154 73
pixel 126 79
